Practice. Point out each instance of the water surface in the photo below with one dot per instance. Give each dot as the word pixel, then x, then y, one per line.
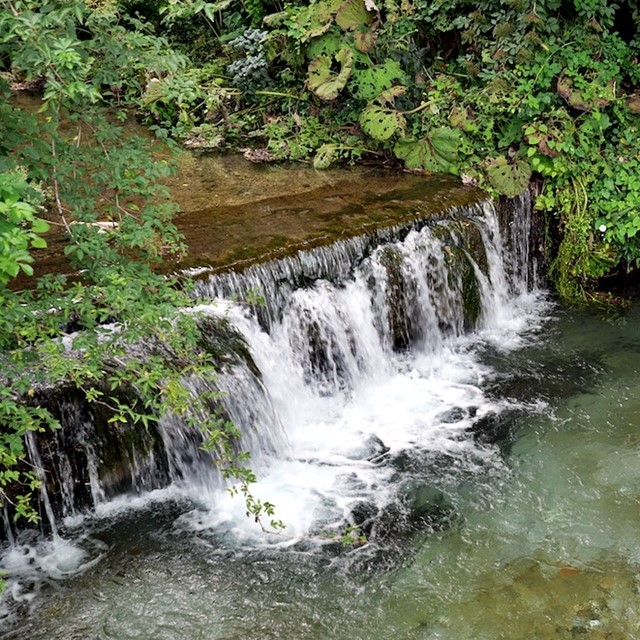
pixel 543 542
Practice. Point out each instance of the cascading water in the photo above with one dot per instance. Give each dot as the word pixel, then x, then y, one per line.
pixel 363 390
pixel 367 356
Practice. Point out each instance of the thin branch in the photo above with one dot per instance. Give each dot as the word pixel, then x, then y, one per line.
pixel 424 105
pixel 56 188
pixel 15 12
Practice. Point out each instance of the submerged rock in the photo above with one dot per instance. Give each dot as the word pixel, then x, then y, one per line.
pixel 420 508
pixel 371 450
pixel 364 515
pixel 496 428
pixel 456 414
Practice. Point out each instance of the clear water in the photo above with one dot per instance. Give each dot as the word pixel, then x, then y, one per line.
pixel 542 538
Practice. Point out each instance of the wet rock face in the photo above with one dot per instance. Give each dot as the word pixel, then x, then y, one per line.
pixel 468 283
pixel 371 450
pixel 224 344
pixel 365 515
pixel 90 459
pixel 452 278
pixel 456 414
pixel 400 294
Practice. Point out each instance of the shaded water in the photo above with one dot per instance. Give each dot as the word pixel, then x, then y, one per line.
pixel 494 471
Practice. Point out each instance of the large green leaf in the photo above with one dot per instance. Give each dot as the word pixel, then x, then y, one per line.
pixel 326 45
pixel 380 123
pixel 508 179
pixel 314 20
pixel 368 84
pixel 446 143
pixel 322 81
pixel 438 152
pixel 352 14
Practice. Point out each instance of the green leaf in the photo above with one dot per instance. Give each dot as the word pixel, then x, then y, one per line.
pixel 438 152
pixel 40 226
pixel 322 81
pixel 39 243
pixel 446 143
pixel 326 45
pixel 325 156
pixel 380 123
pixel 352 14
pixel 314 20
pixel 369 83
pixel 27 268
pixel 508 179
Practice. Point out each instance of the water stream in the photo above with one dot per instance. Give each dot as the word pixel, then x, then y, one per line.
pixel 483 438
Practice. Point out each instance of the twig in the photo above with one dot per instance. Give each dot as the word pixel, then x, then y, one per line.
pixel 56 188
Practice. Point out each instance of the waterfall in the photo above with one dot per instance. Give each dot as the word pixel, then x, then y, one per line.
pixel 367 357
pixel 34 454
pixel 360 354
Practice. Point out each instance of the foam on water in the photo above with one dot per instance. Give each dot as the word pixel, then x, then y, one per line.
pixel 375 352
pixel 346 400
pixel 331 463
pixel 30 566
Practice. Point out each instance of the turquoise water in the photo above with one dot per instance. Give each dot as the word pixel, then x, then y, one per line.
pixel 541 539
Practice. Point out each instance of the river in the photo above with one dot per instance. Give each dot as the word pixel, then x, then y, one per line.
pixel 492 469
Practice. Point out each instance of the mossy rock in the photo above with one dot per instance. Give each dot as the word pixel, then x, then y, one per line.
pixel 399 319
pixel 463 269
pixel 225 344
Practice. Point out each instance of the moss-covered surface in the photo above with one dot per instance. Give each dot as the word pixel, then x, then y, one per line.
pixel 235 213
pixel 287 209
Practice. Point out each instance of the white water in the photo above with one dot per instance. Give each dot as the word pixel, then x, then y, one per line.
pixel 339 391
pixel 336 405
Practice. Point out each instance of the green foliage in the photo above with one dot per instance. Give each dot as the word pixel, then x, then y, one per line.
pixel 20 229
pixel 352 536
pixel 322 81
pixel 250 71
pixel 349 536
pixel 72 164
pixel 381 123
pixel 287 139
pixel 494 92
pixel 306 22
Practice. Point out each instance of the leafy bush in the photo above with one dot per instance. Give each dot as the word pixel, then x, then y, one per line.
pixel 105 191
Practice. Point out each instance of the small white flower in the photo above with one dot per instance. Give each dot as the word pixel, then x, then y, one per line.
pixel 602 228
